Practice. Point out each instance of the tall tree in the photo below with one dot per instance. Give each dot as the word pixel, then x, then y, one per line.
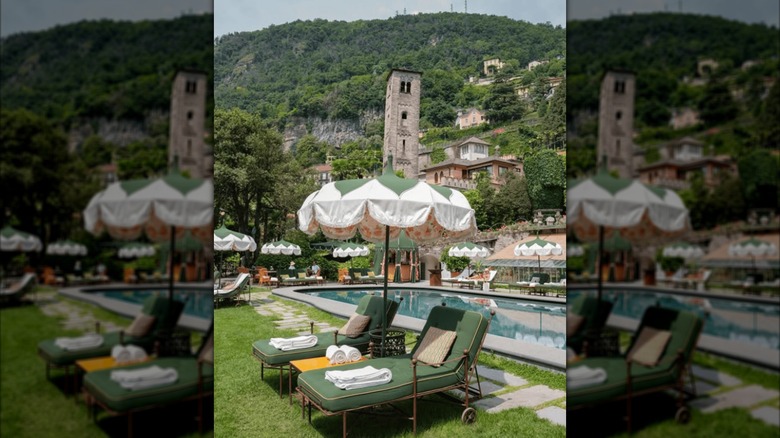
pixel 502 104
pixel 545 171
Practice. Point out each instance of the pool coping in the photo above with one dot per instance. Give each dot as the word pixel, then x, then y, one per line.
pixel 130 310
pixel 550 358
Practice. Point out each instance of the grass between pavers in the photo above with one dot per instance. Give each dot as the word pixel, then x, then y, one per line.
pixel 248 406
pixel 33 406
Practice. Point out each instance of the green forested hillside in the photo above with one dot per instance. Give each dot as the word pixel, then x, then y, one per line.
pixel 116 70
pixel 334 69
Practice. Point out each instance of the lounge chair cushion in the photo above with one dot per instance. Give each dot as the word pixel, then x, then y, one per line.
pixel 649 346
pixel 207 352
pixel 573 323
pixel 273 356
pixel 302 275
pixel 435 346
pixel 119 399
pixel 355 326
pixel 141 325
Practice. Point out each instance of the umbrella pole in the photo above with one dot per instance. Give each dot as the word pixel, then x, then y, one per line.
pixel 601 255
pixel 170 260
pixel 384 291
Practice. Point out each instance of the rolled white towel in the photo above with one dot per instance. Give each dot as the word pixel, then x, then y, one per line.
pixel 153 372
pixel 136 352
pixel 286 344
pixel 330 350
pixel 168 376
pixel 338 356
pixel 584 376
pixel 352 354
pixel 80 343
pixel 359 378
pixel 121 354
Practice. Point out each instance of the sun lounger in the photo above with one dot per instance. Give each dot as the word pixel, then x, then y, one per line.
pixel 465 274
pixel 586 317
pixel 165 312
pixel 233 290
pixel 274 358
pixel 162 381
pixel 658 359
pixel 412 378
pixel 17 289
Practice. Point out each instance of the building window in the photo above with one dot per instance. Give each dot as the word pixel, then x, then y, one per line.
pixel 409 87
pixel 618 115
pixel 435 178
pixel 620 87
pixel 403 118
pixel 189 116
pixel 191 87
pixel 464 151
pixel 403 86
pixel 403 146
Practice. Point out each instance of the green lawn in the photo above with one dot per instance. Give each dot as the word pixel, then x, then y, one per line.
pixel 245 405
pixel 33 406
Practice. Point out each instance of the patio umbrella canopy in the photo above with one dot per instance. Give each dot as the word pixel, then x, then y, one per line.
pixel 539 248
pixel 66 247
pixel 163 208
pixel 135 250
pixel 576 250
pixel 640 212
pixel 380 208
pixel 752 248
pixel 281 247
pixel 229 240
pixel 468 249
pixel 12 239
pixel 349 249
pixel 684 250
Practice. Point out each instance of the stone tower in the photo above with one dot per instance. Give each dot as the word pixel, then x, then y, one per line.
pixel 616 122
pixel 186 140
pixel 402 120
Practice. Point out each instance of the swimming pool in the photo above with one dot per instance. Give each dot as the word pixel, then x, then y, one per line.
pixel 739 319
pixel 197 302
pixel 536 322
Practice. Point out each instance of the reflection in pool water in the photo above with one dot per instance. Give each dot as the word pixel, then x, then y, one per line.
pixel 197 302
pixel 756 323
pixel 536 322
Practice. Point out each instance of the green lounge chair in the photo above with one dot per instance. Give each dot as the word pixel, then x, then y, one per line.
pixel 165 311
pixel 273 358
pixel 195 381
pixel 17 289
pixel 411 379
pixel 233 291
pixel 628 377
pixel 594 314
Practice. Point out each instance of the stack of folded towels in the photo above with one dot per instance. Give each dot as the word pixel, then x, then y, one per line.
pixel 142 378
pixel 91 340
pixel 359 378
pixel 584 376
pixel 286 344
pixel 127 353
pixel 344 354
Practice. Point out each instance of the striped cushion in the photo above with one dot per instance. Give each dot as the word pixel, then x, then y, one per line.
pixel 435 345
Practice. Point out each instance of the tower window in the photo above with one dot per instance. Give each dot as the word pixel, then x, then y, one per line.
pixel 403 146
pixel 618 115
pixel 403 86
pixel 191 87
pixel 408 87
pixel 189 115
pixel 620 87
pixel 403 118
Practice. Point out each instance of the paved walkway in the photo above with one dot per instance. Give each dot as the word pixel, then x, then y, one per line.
pixel 501 390
pixel 73 317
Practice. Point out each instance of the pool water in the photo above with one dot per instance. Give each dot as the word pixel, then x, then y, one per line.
pixel 754 323
pixel 530 321
pixel 198 303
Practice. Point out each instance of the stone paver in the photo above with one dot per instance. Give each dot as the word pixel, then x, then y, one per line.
pixel 740 397
pixel 715 376
pixel 487 388
pixel 553 413
pixel 500 376
pixel 526 397
pixel 702 387
pixel 767 414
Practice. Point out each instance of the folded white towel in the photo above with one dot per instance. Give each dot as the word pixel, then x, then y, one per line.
pixel 147 377
pixel 584 376
pixel 286 344
pixel 120 354
pixel 91 340
pixel 352 353
pixel 359 378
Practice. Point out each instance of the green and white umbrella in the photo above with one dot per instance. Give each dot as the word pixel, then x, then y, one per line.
pixel 640 212
pixel 380 208
pixel 229 240
pixel 348 249
pixel 468 249
pixel 12 239
pixel 683 250
pixel 162 208
pixel 135 250
pixel 575 250
pixel 538 247
pixel 752 248
pixel 66 247
pixel 281 247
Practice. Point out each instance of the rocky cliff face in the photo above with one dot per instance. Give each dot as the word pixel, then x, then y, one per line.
pixel 119 132
pixel 335 132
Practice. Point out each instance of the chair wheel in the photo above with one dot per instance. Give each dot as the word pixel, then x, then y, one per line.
pixel 469 416
pixel 683 415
